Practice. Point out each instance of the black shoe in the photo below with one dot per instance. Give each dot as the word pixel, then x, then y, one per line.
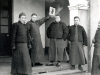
pixel 73 67
pixel 26 74
pixel 58 64
pixel 68 61
pixel 38 64
pixel 14 74
pixel 32 64
pixel 80 68
pixel 17 74
pixel 50 64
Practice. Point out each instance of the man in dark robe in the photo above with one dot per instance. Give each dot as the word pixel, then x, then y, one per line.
pixel 37 52
pixel 21 63
pixel 57 32
pixel 78 39
pixel 96 55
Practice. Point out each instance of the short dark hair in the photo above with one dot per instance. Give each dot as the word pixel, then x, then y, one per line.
pixel 34 14
pixel 22 14
pixel 58 15
pixel 76 17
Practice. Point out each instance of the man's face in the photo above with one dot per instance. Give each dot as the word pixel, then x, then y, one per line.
pixel 22 19
pixel 34 18
pixel 57 18
pixel 76 21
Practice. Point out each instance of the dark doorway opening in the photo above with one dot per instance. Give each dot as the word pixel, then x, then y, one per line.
pixel 5 27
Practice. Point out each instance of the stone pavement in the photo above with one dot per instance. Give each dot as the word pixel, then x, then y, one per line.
pixel 64 69
pixel 66 72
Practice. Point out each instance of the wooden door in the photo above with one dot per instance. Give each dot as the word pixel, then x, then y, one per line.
pixel 5 27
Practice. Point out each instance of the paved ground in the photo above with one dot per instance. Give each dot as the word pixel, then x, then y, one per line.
pixel 66 72
pixel 64 69
pixel 78 74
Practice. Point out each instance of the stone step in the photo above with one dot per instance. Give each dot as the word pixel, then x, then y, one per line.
pixel 44 68
pixel 65 72
pixel 5 69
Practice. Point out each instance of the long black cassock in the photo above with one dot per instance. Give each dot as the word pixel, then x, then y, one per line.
pixel 96 56
pixel 21 62
pixel 57 32
pixel 37 52
pixel 78 38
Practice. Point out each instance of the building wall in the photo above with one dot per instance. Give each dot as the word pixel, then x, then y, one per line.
pixel 29 7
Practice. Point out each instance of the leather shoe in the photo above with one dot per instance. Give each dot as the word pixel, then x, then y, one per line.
pixel 58 64
pixel 73 67
pixel 80 68
pixel 50 64
pixel 38 64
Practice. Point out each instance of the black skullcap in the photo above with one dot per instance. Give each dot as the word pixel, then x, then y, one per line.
pixel 22 14
pixel 76 17
pixel 34 14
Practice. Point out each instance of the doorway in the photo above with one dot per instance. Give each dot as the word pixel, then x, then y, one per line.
pixel 5 27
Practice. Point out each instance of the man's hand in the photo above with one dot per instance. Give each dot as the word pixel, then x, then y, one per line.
pixel 69 42
pixel 13 47
pixel 51 15
pixel 93 41
pixel 99 66
pixel 29 46
pixel 84 46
